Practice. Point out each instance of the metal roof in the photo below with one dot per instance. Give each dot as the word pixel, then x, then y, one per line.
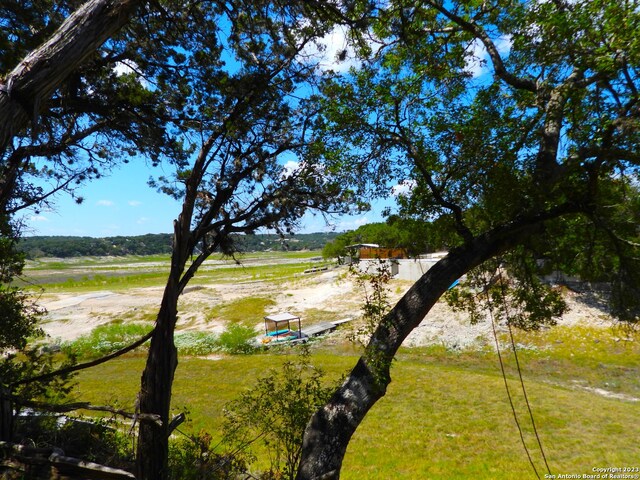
pixel 281 317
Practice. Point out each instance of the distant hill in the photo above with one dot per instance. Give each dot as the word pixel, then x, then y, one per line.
pixel 151 244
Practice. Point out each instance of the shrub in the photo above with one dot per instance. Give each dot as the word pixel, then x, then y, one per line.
pixel 238 339
pixel 194 459
pixel 94 440
pixel 106 339
pixel 197 343
pixel 276 412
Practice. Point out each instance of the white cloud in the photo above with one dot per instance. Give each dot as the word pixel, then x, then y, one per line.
pixel 332 52
pixel 403 188
pixel 134 203
pixel 142 220
pixel 290 168
pixel 38 218
pixel 504 44
pixel 293 168
pixel 126 67
pixel 105 203
pixel 478 62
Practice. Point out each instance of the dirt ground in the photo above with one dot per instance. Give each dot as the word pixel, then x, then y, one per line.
pixel 333 292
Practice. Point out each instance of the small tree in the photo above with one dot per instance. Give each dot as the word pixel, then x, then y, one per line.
pixel 275 412
pixel 195 458
pixel 18 314
pixel 374 286
pixel 18 322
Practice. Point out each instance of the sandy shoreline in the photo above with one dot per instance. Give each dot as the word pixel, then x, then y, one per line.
pixel 70 316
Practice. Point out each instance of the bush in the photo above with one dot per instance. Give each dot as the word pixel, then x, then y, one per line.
pixel 194 459
pixel 94 440
pixel 197 343
pixel 276 412
pixel 106 339
pixel 238 339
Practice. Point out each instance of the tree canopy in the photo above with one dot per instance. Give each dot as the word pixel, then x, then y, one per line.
pixel 68 110
pixel 18 312
pixel 513 127
pixel 244 159
pixel 516 127
pixel 415 237
pixel 490 117
pixel 153 244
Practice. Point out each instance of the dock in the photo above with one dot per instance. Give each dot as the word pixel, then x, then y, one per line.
pixel 303 335
pixel 318 329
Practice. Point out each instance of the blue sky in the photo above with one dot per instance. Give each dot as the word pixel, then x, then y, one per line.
pixel 123 204
pixel 119 204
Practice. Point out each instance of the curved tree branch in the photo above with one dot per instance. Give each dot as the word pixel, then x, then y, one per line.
pixel 330 429
pixel 42 71
pixel 498 65
pixel 72 407
pixel 83 366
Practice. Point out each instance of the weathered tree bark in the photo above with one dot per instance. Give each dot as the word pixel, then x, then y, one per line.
pixel 44 69
pixel 330 429
pixel 156 385
pixel 162 358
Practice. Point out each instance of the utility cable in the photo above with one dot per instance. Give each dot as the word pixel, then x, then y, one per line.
pixel 506 384
pixel 524 390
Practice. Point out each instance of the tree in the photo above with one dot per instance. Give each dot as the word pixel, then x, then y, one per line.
pixel 36 89
pixel 412 236
pixel 66 113
pixel 239 123
pixel 275 412
pixel 515 164
pixel 19 315
pixel 53 103
pixel 19 318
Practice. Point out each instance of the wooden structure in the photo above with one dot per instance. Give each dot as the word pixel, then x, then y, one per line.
pixel 367 251
pixel 381 252
pixel 318 329
pixel 301 336
pixel 18 461
pixel 278 326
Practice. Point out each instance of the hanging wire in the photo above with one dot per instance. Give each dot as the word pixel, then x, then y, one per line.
pixel 506 383
pixel 524 390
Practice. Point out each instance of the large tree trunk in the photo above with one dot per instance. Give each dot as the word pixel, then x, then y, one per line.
pixel 44 69
pixel 155 391
pixel 162 359
pixel 330 429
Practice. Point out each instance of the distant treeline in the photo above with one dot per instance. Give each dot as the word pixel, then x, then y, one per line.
pixel 152 244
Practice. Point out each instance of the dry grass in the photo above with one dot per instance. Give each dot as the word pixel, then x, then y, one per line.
pixel 243 310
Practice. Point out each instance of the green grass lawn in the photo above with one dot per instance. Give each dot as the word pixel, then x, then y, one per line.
pixel 445 415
